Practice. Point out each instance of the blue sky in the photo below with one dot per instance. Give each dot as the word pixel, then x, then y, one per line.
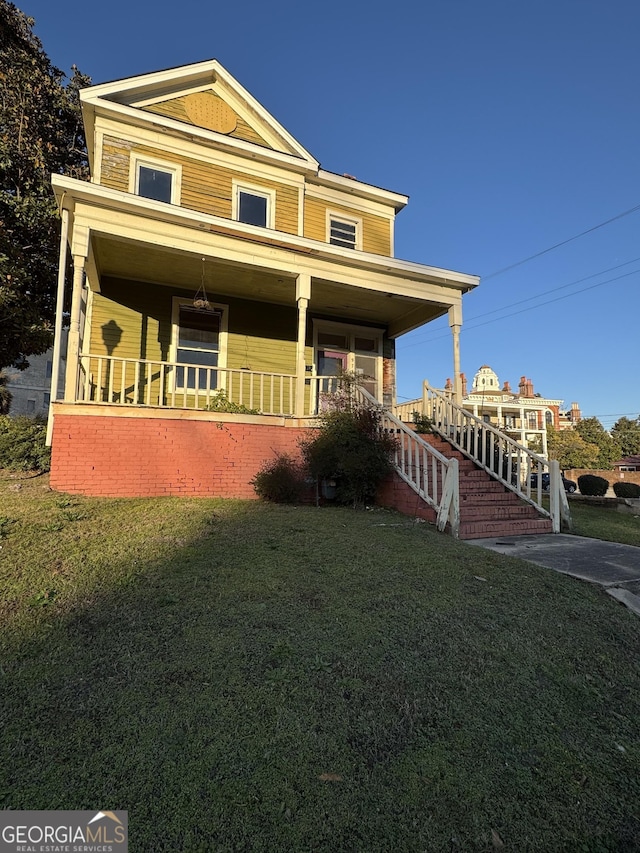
pixel 512 127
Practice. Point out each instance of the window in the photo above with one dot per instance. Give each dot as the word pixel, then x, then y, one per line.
pixel 48 369
pixel 46 399
pixel 199 339
pixel 253 205
pixel 155 180
pixel 31 406
pixel 344 232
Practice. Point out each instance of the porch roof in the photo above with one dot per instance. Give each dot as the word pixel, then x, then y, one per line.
pixel 131 237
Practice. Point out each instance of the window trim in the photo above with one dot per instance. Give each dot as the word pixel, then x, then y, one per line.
pixel 333 215
pixel 176 302
pixel 174 169
pixel 253 189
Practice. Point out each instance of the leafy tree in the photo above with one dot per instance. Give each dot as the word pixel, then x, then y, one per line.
pixel 5 395
pixel 571 450
pixel 40 133
pixel 626 433
pixel 592 431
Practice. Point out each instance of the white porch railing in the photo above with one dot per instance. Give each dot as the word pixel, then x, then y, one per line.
pixel 430 474
pixel 142 382
pixel 501 456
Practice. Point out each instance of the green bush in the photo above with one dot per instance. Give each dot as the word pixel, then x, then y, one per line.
pixel 280 480
pixel 423 424
pixel 22 444
pixel 590 484
pixel 221 403
pixel 350 448
pixel 626 490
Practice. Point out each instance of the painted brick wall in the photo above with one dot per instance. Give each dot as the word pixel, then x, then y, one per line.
pixel 144 457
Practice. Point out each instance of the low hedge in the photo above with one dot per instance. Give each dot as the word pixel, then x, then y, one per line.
pixel 626 490
pixel 590 484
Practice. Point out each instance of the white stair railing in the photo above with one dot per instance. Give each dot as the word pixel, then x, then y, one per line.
pixel 430 474
pixel 521 470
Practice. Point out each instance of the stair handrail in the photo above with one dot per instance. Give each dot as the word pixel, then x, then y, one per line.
pixel 501 456
pixel 430 474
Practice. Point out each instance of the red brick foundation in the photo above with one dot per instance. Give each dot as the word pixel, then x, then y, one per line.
pixel 396 494
pixel 118 456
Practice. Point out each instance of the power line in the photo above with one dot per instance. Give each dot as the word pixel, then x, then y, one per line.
pixel 467 327
pixel 562 243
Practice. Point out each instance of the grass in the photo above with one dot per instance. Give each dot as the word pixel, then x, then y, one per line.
pixel 249 677
pixel 601 523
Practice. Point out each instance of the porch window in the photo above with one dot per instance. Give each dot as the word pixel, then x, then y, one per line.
pixel 355 349
pixel 197 341
pixel 253 205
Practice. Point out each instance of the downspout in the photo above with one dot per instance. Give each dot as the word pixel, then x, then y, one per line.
pixel 57 334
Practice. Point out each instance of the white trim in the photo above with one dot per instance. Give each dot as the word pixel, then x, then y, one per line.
pixel 174 169
pixel 239 186
pixel 351 201
pixel 223 342
pixel 339 217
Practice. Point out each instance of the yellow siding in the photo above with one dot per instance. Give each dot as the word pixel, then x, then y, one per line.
pixel 116 158
pixel 206 188
pixel 376 230
pixel 176 109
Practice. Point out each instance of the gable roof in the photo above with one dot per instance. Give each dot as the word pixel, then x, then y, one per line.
pixel 202 99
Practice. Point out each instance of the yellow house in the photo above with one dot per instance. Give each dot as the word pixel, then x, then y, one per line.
pixel 219 275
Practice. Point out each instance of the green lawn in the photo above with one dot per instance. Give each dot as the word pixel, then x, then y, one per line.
pixel 604 523
pixel 242 677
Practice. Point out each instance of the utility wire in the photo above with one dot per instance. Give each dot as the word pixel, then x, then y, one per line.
pixel 467 327
pixel 562 243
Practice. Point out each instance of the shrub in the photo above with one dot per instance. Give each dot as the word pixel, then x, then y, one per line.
pixel 22 444
pixel 423 425
pixel 590 484
pixel 626 490
pixel 351 449
pixel 221 403
pixel 280 480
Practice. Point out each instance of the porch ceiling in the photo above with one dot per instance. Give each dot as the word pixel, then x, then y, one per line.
pixel 148 263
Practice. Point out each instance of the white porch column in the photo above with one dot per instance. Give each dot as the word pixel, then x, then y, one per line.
pixel 303 295
pixel 57 337
pixel 455 323
pixel 80 251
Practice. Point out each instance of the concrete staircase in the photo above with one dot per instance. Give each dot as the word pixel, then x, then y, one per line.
pixel 487 508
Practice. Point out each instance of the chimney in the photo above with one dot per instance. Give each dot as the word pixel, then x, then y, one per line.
pixel 448 384
pixel 507 388
pixel 576 415
pixel 522 387
pixel 463 382
pixel 529 388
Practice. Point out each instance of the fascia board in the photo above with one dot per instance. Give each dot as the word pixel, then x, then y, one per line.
pixel 120 201
pixel 139 118
pixel 356 187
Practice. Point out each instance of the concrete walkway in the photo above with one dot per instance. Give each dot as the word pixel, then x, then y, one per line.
pixel 614 567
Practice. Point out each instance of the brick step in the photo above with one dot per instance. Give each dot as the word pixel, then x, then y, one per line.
pixel 476 486
pixel 486 529
pixel 497 513
pixel 489 499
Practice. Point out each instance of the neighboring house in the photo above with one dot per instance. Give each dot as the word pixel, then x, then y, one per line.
pixel 629 464
pixel 214 261
pixel 523 415
pixel 31 388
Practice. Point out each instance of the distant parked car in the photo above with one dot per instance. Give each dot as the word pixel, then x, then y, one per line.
pixel 569 485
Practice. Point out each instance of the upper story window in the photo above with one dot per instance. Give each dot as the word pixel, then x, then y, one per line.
pixel 344 232
pixel 253 205
pixel 156 180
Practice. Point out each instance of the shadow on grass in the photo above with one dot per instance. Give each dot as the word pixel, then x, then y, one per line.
pixel 245 677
